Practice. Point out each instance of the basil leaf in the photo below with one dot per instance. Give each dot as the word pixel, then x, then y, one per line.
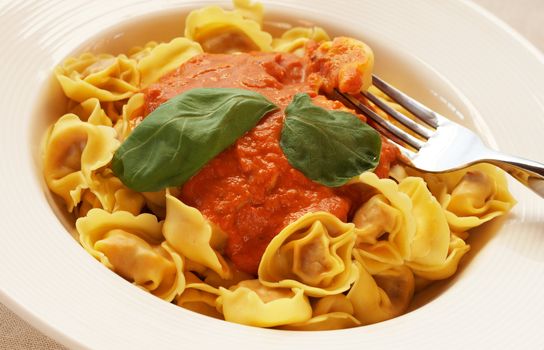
pixel 328 147
pixel 178 138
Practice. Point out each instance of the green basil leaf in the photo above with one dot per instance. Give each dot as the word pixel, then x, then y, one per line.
pixel 178 138
pixel 328 147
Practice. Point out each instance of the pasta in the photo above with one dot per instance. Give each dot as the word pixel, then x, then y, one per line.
pixel 199 297
pixel 248 237
pixel 218 30
pixel 104 77
pixel 131 246
pixel 74 151
pixel 177 51
pixel 295 39
pixel 189 233
pixel 313 253
pixel 251 303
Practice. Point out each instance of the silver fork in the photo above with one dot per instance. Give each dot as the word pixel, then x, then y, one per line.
pixel 443 145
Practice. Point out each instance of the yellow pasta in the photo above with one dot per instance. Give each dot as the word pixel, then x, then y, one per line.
pixel 131 246
pixel 382 296
pixel 126 122
pixel 139 52
pixel 436 252
pixel 250 10
pixel 456 250
pixel 213 279
pixel 296 38
pixel 471 196
pixel 99 222
pixel 330 312
pixel 105 77
pixel 91 111
pixel 218 30
pixel 197 297
pixel 189 233
pixel 254 304
pixel 429 246
pixel 113 195
pixel 389 211
pixel 313 253
pixel 73 151
pixel 166 57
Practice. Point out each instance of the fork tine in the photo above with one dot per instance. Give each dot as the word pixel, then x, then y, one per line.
pixel 424 113
pixel 385 124
pixel 409 123
pixel 405 151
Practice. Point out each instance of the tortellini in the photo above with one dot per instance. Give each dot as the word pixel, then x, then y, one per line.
pixel 189 233
pixel 76 153
pixel 113 195
pixel 250 10
pixel 344 63
pixel 199 297
pixel 385 215
pixel 74 150
pixel 213 279
pixel 313 253
pixel 471 196
pixel 294 40
pixel 131 114
pixel 435 251
pixel 254 304
pixel 330 312
pixel 429 245
pixel 105 77
pixel 139 52
pixel 456 250
pixel 133 247
pixel 382 296
pixel 424 242
pixel 223 31
pixel 91 111
pixel 166 57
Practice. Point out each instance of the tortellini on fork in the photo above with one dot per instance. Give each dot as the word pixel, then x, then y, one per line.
pixel 342 63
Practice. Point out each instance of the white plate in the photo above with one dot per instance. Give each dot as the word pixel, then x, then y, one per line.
pixel 427 48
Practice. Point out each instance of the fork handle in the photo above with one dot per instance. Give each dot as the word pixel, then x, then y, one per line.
pixel 528 172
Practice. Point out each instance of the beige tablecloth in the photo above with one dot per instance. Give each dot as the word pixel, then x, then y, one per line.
pixel 526 16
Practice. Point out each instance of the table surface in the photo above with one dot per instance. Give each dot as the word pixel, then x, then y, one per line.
pixel 525 16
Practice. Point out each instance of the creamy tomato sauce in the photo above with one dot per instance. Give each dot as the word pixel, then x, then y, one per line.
pixel 250 190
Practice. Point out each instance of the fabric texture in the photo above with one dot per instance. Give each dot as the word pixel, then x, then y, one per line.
pixel 16 334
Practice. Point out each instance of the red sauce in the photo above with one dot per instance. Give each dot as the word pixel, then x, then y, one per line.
pixel 250 190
